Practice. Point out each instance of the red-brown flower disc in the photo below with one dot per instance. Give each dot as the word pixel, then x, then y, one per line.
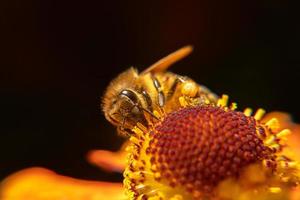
pixel 198 147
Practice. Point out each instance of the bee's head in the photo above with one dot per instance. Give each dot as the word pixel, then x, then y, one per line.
pixel 121 104
pixel 126 111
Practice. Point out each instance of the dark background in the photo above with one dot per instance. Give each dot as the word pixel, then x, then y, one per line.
pixel 58 56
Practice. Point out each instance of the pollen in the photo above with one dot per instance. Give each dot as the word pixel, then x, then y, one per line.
pixel 191 152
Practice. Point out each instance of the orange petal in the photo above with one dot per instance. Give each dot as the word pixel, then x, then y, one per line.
pixel 43 184
pixel 285 120
pixel 294 141
pixel 295 194
pixel 108 160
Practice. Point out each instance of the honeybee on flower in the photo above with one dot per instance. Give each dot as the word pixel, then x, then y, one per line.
pixel 135 97
pixel 194 150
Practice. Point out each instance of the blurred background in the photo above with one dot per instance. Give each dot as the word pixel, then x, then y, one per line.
pixel 57 57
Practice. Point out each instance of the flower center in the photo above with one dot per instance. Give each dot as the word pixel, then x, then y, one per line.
pixel 199 147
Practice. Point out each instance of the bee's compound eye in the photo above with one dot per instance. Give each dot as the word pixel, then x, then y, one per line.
pixel 129 94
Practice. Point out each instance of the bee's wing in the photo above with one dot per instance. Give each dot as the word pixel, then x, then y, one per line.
pixel 164 63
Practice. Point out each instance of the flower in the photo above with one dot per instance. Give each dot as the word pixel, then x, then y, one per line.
pixel 198 152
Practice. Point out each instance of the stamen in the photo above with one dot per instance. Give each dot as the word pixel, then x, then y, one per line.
pixel 233 106
pixel 248 112
pixel 270 140
pixel 275 146
pixel 283 133
pixel 223 101
pixel 183 102
pixel 137 176
pixel 273 124
pixel 259 114
pixel 138 131
pixel 134 140
pixel 142 127
pixel 275 189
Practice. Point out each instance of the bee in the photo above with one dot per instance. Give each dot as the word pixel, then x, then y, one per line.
pixel 134 97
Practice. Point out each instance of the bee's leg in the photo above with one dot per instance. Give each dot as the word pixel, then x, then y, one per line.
pixel 161 100
pixel 149 110
pixel 173 88
pixel 147 100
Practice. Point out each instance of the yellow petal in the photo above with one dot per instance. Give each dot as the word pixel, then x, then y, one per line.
pixel 43 184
